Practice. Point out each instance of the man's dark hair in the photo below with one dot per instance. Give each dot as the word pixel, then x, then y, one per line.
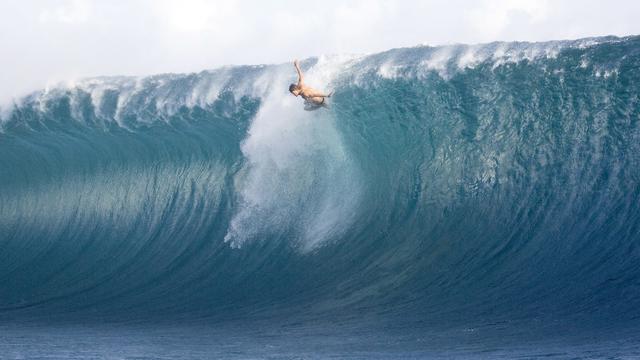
pixel 293 87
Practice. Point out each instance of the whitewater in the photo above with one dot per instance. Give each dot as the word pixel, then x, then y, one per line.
pixel 465 201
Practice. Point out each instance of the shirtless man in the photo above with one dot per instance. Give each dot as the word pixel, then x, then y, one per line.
pixel 310 95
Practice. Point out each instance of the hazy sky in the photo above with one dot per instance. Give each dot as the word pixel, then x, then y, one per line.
pixel 45 41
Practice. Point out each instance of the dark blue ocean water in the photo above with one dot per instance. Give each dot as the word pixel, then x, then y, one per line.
pixel 452 202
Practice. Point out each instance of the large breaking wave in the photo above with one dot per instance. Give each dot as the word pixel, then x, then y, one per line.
pixel 457 183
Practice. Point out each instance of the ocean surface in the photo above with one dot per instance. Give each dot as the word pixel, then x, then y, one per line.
pixel 462 201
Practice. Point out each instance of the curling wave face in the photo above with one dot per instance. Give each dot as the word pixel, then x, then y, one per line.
pixel 497 181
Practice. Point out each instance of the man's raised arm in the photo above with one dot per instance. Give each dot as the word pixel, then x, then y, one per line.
pixel 300 78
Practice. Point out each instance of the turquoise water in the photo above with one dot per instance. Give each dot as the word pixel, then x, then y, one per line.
pixel 459 201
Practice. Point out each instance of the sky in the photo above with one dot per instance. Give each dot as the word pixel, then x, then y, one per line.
pixel 43 42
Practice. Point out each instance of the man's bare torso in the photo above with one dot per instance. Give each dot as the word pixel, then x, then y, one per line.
pixel 309 94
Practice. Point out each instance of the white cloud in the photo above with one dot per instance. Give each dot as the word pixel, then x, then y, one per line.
pixel 68 12
pixel 491 17
pixel 196 15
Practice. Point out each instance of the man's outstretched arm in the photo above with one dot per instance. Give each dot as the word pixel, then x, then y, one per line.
pixel 300 78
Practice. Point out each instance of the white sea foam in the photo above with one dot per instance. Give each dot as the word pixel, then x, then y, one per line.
pixel 388 70
pixel 298 179
pixel 584 63
pixel 446 60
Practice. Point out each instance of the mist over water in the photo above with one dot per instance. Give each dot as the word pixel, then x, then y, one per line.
pixel 450 202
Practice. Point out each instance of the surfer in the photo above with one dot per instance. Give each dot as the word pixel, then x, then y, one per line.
pixel 310 95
